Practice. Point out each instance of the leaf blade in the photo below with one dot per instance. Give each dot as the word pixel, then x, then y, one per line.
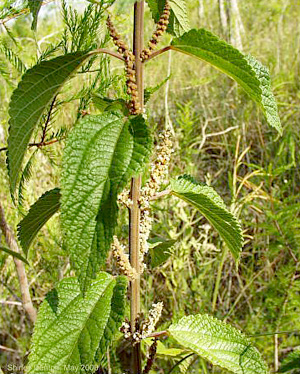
pixel 218 342
pixel 101 155
pixel 14 254
pixel 210 204
pixel 245 70
pixel 38 87
pixel 39 213
pixel 69 326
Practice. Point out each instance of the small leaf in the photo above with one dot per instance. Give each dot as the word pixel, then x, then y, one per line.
pixel 211 205
pixel 105 104
pixel 30 99
pixel 69 327
pixel 34 6
pixel 14 254
pixel 101 155
pixel 39 213
pixel 116 317
pixel 162 350
pixel 245 70
pixel 218 342
pixel 291 362
pixel 160 252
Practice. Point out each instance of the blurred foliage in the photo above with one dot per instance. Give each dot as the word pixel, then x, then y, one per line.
pixel 220 137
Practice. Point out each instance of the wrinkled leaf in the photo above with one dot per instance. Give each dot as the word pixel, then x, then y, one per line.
pixel 246 71
pixel 218 342
pixel 291 362
pixel 69 327
pixel 29 101
pixel 101 155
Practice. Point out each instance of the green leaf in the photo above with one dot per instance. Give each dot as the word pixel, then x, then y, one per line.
pixel 218 342
pixel 162 350
pixel 14 254
pixel 29 101
pixel 291 362
pixel 211 205
pixel 39 213
pixel 245 70
pixel 116 318
pixel 178 22
pixel 69 327
pixel 34 6
pixel 105 104
pixel 160 251
pixel 101 155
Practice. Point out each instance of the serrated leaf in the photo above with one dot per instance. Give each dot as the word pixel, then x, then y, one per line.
pixel 69 327
pixel 101 155
pixel 34 6
pixel 39 213
pixel 211 205
pixel 116 317
pixel 291 362
pixel 30 99
pixel 245 70
pixel 14 254
pixel 218 342
pixel 178 22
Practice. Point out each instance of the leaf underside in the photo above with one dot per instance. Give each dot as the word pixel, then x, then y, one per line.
pixel 211 205
pixel 69 327
pixel 218 342
pixel 101 155
pixel 253 77
pixel 29 101
pixel 39 213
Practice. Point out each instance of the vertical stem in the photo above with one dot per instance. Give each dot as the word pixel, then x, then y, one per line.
pixel 134 216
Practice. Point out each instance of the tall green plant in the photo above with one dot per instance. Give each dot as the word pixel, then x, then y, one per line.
pixel 104 153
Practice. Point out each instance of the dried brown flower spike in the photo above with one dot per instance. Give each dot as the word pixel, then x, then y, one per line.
pixel 123 49
pixel 161 27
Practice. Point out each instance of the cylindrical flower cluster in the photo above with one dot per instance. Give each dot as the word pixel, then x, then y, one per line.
pixel 118 251
pixel 123 49
pixel 161 27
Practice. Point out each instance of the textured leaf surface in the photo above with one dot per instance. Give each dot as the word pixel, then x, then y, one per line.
pixel 34 6
pixel 179 21
pixel 211 205
pixel 69 327
pixel 219 343
pixel 116 317
pixel 30 99
pixel 14 254
pixel 39 213
pixel 101 155
pixel 246 71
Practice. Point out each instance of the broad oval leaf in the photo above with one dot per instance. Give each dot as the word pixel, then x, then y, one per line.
pixel 30 99
pixel 211 205
pixel 69 327
pixel 245 70
pixel 101 155
pixel 218 342
pixel 39 213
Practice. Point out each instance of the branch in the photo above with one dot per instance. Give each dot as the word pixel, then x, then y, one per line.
pixel 159 52
pixel 23 282
pixel 109 52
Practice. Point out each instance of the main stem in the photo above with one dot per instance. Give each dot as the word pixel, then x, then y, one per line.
pixel 134 216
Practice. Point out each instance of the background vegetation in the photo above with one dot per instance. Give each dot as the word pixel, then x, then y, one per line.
pixel 221 138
